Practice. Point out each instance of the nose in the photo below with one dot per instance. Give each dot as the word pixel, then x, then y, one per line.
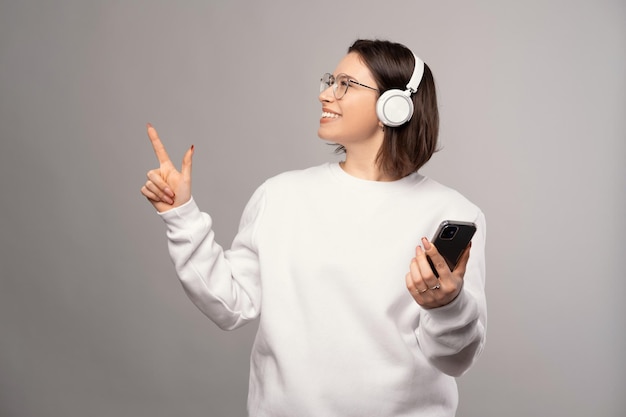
pixel 326 95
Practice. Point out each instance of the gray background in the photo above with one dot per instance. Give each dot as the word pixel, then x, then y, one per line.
pixel 92 319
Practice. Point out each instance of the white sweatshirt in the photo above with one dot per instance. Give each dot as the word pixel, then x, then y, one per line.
pixel 322 256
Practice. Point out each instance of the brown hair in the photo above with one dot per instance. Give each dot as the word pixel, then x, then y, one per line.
pixel 405 148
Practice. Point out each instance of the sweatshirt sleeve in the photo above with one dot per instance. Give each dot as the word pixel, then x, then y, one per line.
pixel 453 336
pixel 224 285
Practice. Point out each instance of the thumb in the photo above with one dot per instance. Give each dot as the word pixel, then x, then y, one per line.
pixel 186 167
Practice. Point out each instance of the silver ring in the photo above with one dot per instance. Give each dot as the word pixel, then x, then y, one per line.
pixel 418 291
pixel 436 287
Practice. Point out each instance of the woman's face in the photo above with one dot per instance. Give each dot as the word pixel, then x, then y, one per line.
pixel 351 120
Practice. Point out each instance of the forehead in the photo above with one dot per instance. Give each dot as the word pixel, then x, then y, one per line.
pixel 353 66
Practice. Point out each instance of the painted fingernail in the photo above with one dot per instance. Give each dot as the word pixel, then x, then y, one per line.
pixel 426 243
pixel 192 148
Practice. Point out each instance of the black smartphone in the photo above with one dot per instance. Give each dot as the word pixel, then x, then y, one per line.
pixel 451 239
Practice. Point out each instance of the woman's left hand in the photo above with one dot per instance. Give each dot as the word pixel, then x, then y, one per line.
pixel 428 290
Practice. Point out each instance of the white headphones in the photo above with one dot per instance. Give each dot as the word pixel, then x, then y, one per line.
pixel 395 107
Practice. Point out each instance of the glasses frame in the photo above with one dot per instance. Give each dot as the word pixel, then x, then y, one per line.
pixel 325 85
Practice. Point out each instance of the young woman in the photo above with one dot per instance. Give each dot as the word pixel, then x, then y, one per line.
pixel 333 259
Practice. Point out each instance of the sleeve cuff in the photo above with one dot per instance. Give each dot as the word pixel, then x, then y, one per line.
pixel 178 216
pixel 462 309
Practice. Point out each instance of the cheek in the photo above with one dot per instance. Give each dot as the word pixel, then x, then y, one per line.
pixel 365 119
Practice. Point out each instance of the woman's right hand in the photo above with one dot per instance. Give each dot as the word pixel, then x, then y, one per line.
pixel 167 188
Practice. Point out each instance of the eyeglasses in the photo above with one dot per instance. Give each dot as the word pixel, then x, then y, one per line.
pixel 340 84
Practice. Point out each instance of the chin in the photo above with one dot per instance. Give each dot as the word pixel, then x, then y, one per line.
pixel 321 135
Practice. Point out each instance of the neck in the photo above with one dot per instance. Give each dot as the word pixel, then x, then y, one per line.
pixel 364 167
pixel 361 158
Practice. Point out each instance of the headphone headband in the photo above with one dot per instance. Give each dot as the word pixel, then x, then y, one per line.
pixel 416 78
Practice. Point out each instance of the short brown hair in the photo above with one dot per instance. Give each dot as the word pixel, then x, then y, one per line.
pixel 405 148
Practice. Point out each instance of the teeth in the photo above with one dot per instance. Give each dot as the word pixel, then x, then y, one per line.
pixel 329 115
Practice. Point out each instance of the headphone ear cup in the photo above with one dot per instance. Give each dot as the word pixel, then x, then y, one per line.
pixel 394 107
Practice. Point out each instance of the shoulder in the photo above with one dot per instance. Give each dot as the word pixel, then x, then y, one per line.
pixel 447 199
pixel 440 190
pixel 292 185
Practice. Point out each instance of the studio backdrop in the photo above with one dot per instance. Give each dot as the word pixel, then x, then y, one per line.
pixel 93 321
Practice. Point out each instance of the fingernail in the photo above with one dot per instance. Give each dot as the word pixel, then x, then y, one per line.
pixel 192 148
pixel 418 250
pixel 149 125
pixel 426 243
pixel 169 192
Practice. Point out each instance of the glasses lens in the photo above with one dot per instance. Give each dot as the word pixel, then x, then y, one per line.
pixel 326 81
pixel 341 85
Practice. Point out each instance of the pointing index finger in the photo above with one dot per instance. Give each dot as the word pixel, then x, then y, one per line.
pixel 157 145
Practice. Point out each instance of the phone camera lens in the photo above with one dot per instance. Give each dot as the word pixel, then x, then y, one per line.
pixel 449 232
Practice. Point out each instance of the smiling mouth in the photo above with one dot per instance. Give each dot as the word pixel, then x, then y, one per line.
pixel 328 115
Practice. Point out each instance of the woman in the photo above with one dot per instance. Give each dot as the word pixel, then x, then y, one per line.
pixel 353 320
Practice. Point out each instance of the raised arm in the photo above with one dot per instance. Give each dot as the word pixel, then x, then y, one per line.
pixel 224 285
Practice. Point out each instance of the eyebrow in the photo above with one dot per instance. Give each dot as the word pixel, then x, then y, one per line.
pixel 347 75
